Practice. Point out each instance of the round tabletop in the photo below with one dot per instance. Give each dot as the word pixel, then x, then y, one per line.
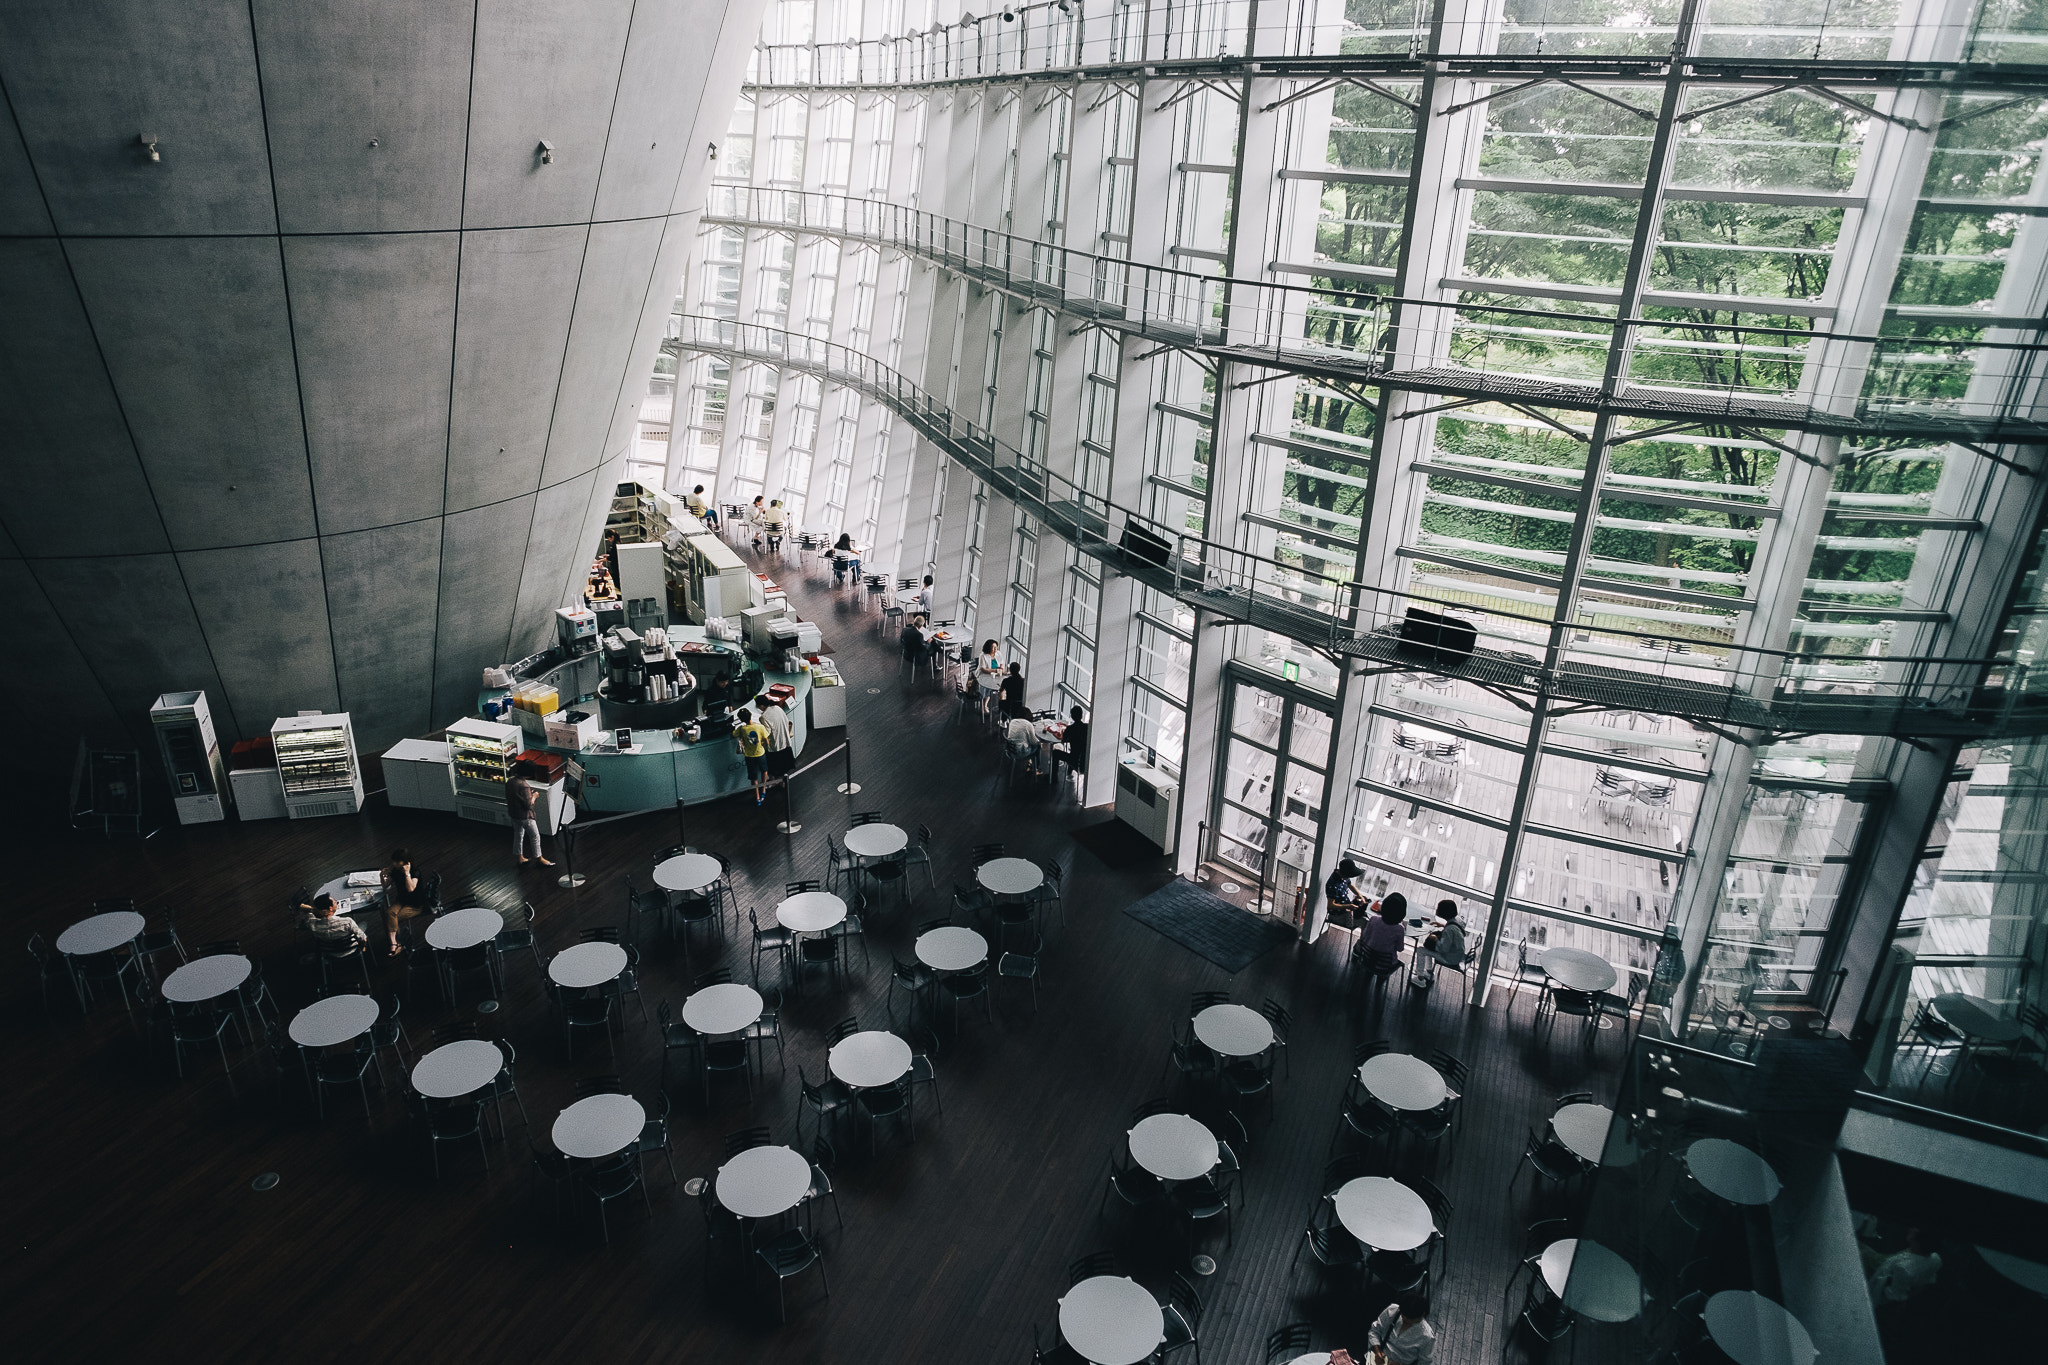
pixel 465 928
pixel 688 872
pixel 2024 1273
pixel 1575 969
pixel 453 1070
pixel 100 934
pixel 763 1181
pixel 1592 1280
pixel 1812 769
pixel 726 1007
pixel 587 964
pixel 337 1019
pixel 1234 1030
pixel 1400 1081
pixel 1754 1330
pixel 1384 1214
pixel 811 912
pixel 1312 1358
pixel 1979 1018
pixel 875 841
pixel 598 1126
pixel 1010 876
pixel 1582 1128
pixel 207 978
pixel 951 948
pixel 349 899
pixel 1173 1147
pixel 1111 1320
pixel 868 1061
pixel 1732 1171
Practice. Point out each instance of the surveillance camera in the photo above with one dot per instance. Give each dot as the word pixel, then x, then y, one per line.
pixel 547 152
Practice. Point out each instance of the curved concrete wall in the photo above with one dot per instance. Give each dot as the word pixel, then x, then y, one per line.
pixel 323 409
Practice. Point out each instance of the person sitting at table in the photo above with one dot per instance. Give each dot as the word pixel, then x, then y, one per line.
pixel 1022 737
pixel 1384 935
pixel 1340 893
pixel 1010 703
pixel 1402 1334
pixel 405 896
pixel 1073 745
pixel 924 596
pixel 845 560
pixel 328 926
pixel 700 509
pixel 912 642
pixel 1445 946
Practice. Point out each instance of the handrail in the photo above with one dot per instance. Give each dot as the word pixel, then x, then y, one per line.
pixel 1488 350
pixel 1744 686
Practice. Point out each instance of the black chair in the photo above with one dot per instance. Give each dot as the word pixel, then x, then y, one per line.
pixel 969 985
pixel 1202 1000
pixel 197 1025
pixel 1021 967
pixel 1202 1200
pixel 454 1121
pixel 99 969
pixel 1181 1313
pixel 920 851
pixel 654 1136
pixel 865 817
pixel 986 853
pixel 776 940
pixel 1283 1024
pixel 49 967
pixel 1549 1159
pixel 923 1073
pixel 826 1101
pixel 726 1057
pixel 521 939
pixel 1059 1353
pixel 1581 1005
pixel 1089 1267
pixel 165 940
pixel 891 1101
pixel 788 1256
pixel 1285 1343
pixel 614 1177
pixel 821 1188
pixel 644 905
pixel 1332 1248
pixel 585 1009
pixel 817 951
pixel 1137 1190
pixel 765 1030
pixel 335 1067
pixel 675 1037
pixel 455 963
pixel 913 979
pixel 503 1085
pixel 1186 1055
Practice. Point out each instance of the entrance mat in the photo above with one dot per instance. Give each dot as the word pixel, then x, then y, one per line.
pixel 1117 844
pixel 1209 926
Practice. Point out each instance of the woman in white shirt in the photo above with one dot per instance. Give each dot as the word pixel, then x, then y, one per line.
pixel 1402 1334
pixel 988 673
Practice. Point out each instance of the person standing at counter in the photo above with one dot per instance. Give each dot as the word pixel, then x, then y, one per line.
pixel 775 720
pixel 519 800
pixel 988 673
pixel 752 742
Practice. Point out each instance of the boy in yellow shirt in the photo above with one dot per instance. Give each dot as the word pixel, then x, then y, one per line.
pixel 752 740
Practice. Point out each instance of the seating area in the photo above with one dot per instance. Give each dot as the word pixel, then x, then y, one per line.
pixel 642 1090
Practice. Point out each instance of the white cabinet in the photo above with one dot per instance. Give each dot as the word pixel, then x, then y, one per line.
pixel 316 756
pixel 259 793
pixel 420 774
pixel 1148 800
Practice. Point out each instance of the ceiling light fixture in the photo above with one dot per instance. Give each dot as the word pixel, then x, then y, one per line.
pixel 547 152
pixel 148 141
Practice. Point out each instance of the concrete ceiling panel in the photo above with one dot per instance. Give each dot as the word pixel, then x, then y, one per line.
pixel 264 611
pixel 73 484
pixel 679 239
pixel 544 72
pixel 89 78
pixel 554 562
pixel 368 105
pixel 375 320
pixel 512 329
pixel 382 590
pixel 196 335
pixel 21 200
pixel 482 553
pixel 70 701
pixel 666 65
pixel 617 270
pixel 131 618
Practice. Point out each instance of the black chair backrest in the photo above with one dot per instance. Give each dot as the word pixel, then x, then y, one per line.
pixel 1285 1343
pixel 745 1140
pixel 1151 1107
pixel 601 933
pixel 986 853
pixel 717 976
pixel 798 888
pixel 1370 1049
pixel 841 1030
pixel 1440 1206
pixel 867 817
pixel 1088 1267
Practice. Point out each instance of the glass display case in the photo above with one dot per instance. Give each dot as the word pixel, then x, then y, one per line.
pixel 483 751
pixel 316 762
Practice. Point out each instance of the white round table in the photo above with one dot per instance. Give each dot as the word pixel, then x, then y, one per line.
pixel 869 1061
pixel 1400 1081
pixel 875 841
pixel 453 1070
pixel 465 928
pixel 349 899
pixel 1111 1320
pixel 1592 1281
pixel 951 949
pixel 1312 1358
pixel 1982 1020
pixel 811 912
pixel 1731 1171
pixel 1010 876
pixel 1174 1147
pixel 100 934
pixel 688 872
pixel 724 1008
pixel 599 1126
pixel 1754 1330
pixel 207 978
pixel 587 964
pixel 1811 769
pixel 1582 1129
pixel 337 1019
pixel 1234 1031
pixel 1384 1214
pixel 2026 1274
pixel 1575 969
pixel 763 1181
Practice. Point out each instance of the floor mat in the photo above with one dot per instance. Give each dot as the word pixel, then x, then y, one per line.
pixel 1209 926
pixel 1117 844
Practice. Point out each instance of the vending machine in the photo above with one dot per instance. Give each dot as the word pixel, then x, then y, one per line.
pixel 199 777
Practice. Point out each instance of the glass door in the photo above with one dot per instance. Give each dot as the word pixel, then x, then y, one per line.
pixel 1268 807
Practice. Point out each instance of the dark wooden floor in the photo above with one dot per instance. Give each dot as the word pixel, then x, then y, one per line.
pixel 135 1230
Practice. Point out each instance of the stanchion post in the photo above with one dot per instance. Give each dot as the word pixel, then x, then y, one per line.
pixel 849 787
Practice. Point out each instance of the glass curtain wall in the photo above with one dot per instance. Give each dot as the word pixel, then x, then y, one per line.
pixel 1704 393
